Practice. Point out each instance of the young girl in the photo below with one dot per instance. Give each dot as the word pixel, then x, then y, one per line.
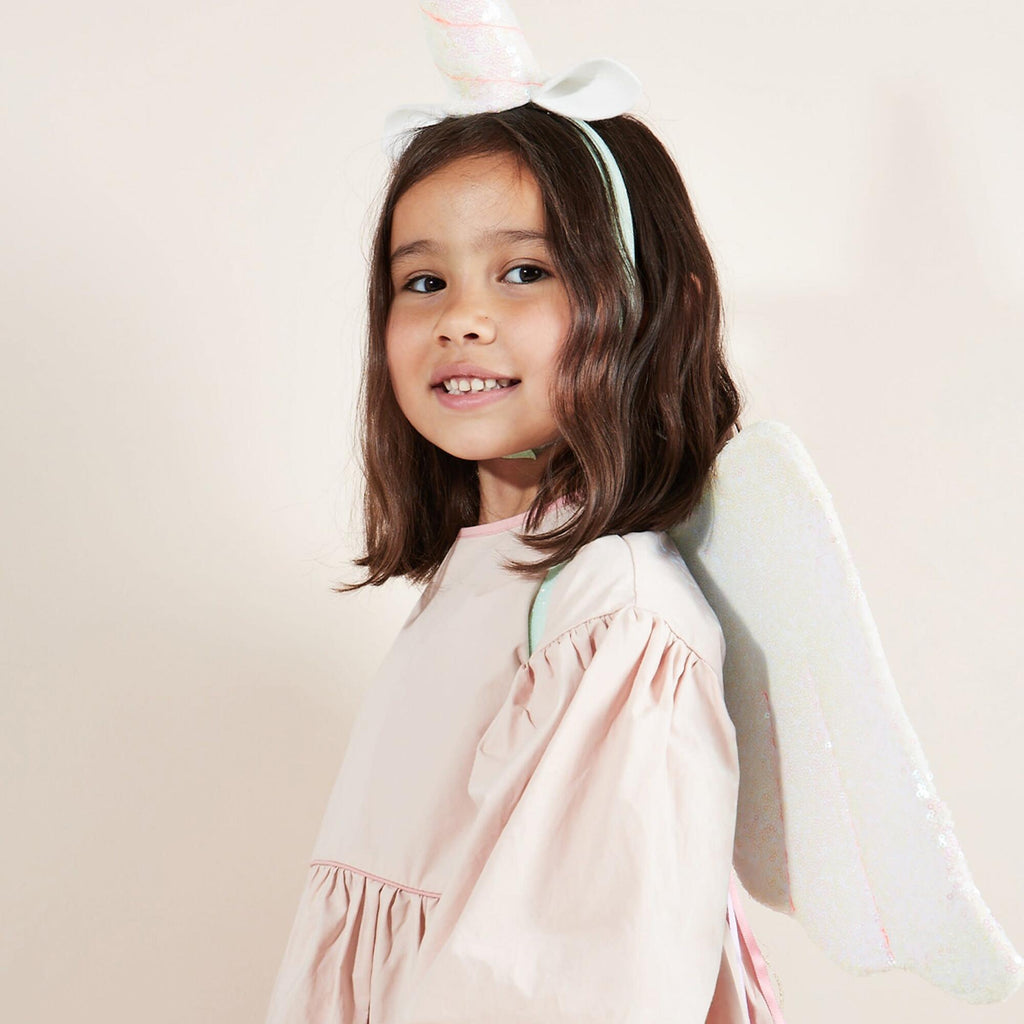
pixel 535 818
pixel 535 837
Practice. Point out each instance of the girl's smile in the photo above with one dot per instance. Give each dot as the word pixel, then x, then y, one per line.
pixel 468 386
pixel 479 313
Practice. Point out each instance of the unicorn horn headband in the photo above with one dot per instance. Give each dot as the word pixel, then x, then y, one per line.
pixel 487 65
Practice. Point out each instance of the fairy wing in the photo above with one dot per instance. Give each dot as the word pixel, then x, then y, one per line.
pixel 839 823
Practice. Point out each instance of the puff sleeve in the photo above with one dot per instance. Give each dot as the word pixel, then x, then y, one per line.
pixel 593 885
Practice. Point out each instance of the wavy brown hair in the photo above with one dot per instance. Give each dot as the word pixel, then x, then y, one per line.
pixel 642 395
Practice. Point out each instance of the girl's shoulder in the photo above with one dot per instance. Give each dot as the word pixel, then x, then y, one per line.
pixel 636 573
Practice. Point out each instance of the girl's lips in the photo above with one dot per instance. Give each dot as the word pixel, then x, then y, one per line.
pixel 472 399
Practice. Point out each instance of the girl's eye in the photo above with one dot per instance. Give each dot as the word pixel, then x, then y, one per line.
pixel 424 283
pixel 525 274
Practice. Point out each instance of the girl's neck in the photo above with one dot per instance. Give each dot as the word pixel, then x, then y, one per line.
pixel 508 486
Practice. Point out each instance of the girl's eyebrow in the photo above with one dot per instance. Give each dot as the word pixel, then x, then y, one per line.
pixel 511 235
pixel 418 248
pixel 426 247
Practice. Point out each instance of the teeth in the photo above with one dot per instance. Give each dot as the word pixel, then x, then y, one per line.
pixel 456 385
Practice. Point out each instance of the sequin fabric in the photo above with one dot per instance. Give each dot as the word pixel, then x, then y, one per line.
pixel 482 53
pixel 839 822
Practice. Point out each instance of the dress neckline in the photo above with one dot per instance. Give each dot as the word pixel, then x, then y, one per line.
pixel 555 509
pixel 498 526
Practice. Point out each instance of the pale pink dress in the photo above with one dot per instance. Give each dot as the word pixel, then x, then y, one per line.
pixel 537 840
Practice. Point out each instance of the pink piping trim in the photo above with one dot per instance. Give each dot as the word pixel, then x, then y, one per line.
pixel 375 878
pixel 756 957
pixel 499 526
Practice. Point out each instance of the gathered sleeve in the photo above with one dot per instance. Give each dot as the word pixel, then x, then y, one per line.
pixel 593 886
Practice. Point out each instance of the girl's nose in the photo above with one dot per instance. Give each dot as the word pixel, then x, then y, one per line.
pixel 463 320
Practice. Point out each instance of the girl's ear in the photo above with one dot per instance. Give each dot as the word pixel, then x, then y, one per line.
pixel 696 283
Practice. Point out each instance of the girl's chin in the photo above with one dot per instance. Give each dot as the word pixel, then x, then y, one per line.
pixel 492 454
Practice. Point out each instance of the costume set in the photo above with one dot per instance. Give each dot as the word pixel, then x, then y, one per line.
pixel 551 789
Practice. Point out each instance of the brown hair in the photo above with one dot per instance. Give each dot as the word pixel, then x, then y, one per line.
pixel 643 398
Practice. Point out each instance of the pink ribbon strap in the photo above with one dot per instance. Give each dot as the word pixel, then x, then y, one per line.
pixel 754 952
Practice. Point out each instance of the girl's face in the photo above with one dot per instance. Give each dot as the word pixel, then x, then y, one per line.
pixel 478 315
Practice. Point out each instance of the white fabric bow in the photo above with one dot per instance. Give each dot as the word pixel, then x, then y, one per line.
pixel 591 91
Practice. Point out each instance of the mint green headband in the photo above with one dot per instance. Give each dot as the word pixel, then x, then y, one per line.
pixel 616 184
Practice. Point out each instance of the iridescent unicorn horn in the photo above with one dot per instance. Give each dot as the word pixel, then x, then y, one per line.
pixel 480 49
pixel 487 65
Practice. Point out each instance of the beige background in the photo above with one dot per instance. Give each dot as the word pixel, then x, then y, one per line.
pixel 183 215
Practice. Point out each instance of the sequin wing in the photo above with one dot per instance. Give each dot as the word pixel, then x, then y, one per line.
pixel 839 822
